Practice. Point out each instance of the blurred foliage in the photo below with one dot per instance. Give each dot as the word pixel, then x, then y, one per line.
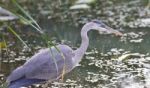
pixel 2 45
pixel 117 12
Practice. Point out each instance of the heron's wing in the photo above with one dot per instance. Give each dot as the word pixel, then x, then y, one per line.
pixel 45 65
pixel 49 64
pixel 31 65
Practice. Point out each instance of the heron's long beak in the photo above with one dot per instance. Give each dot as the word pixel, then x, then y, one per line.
pixel 115 32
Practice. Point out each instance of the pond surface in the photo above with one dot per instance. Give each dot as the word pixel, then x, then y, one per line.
pixel 110 61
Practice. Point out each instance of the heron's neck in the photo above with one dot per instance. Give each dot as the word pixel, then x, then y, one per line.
pixel 84 45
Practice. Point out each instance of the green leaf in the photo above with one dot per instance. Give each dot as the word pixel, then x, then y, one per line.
pixel 29 16
pixel 11 30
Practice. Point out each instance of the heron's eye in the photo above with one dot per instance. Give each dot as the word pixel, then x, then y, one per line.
pixel 102 25
pixel 97 21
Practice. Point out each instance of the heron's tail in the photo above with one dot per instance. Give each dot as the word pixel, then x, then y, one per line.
pixel 16 74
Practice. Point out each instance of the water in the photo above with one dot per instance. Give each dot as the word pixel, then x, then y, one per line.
pixel 101 67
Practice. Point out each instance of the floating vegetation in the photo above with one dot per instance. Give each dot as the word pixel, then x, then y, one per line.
pixel 133 37
pixel 140 23
pixel 80 7
pixel 84 1
pixel 125 57
pixel 3 86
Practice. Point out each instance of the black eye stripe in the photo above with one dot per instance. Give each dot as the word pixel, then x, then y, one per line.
pixel 97 21
pixel 100 23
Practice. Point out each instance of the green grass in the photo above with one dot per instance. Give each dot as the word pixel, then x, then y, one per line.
pixel 17 35
pixel 28 19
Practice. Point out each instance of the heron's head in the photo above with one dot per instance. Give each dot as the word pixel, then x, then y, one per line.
pixel 103 28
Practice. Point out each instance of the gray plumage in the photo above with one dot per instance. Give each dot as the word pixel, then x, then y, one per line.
pixel 46 69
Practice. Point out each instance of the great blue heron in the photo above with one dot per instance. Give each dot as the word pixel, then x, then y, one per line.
pixel 49 63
